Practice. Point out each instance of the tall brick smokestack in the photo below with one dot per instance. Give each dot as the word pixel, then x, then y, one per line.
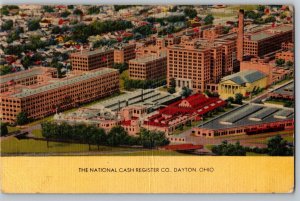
pixel 240 38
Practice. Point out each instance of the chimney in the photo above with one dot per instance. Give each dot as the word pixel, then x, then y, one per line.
pixel 240 38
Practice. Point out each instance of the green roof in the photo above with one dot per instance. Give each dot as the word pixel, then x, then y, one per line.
pixel 248 76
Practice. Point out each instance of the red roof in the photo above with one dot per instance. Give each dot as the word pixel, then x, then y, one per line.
pixel 180 147
pixel 126 123
pixel 199 105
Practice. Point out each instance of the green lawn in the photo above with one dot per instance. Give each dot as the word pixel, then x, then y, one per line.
pixel 275 102
pixel 37 133
pixel 255 154
pixel 289 138
pixel 209 146
pixel 245 7
pixel 12 129
pixel 15 146
pixel 153 153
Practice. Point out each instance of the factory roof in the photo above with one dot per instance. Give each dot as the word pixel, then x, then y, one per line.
pixel 93 52
pixel 248 115
pixel 261 35
pixel 286 90
pixel 54 84
pixel 25 74
pixel 247 76
pixel 146 59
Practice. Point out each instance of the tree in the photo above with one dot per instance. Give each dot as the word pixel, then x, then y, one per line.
pixel 153 139
pixel 98 137
pixel 226 30
pixel 172 82
pixel 238 98
pixel 70 7
pixel 289 63
pixel 120 66
pixel 173 9
pixel 5 69
pixel 48 9
pixel 77 12
pixel 22 118
pixel 277 146
pixel 186 92
pixel 171 90
pixel 7 25
pixel 65 14
pixel 33 25
pixel 280 62
pixel 270 19
pixel 47 131
pixel 120 7
pixel 4 11
pixel 116 136
pixel 208 93
pixel 13 35
pixel 56 30
pixel 189 123
pixel 26 62
pixel 209 19
pixel 93 10
pixel 253 15
pixel 144 30
pixel 190 12
pixel 226 149
pixel 261 8
pixel 4 130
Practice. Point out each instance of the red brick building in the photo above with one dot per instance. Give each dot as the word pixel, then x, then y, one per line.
pixel 124 52
pixel 90 60
pixel 200 64
pixel 46 96
pixel 148 67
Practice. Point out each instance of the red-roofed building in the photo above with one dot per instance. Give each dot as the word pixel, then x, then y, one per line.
pixel 182 147
pixel 180 112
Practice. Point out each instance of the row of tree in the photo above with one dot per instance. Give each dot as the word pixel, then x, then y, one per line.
pixel 92 135
pixel 4 129
pixel 276 146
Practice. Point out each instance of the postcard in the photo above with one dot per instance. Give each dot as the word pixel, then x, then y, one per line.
pixel 147 98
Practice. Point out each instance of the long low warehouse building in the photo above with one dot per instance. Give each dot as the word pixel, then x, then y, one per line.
pixel 247 120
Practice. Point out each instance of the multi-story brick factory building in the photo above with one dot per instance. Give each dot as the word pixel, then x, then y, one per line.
pixel 124 52
pixel 267 40
pixel 26 78
pixel 149 67
pixel 199 64
pixel 89 60
pixel 45 95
